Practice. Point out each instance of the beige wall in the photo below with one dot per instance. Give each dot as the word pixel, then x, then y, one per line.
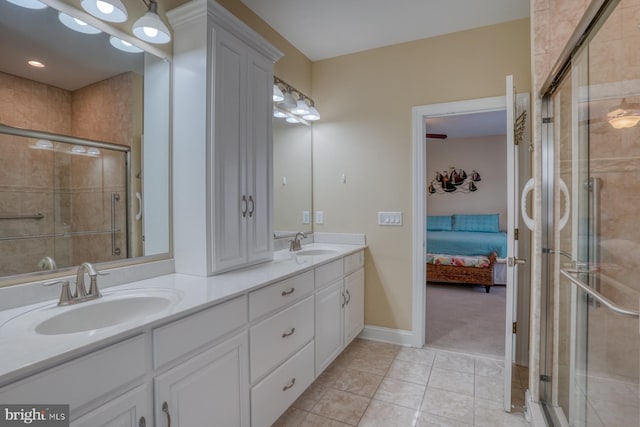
pixel 365 132
pixel 487 156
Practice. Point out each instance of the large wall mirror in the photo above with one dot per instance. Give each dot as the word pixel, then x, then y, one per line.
pixel 85 166
pixel 292 186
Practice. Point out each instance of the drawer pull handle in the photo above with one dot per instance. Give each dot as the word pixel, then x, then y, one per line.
pixel 348 299
pixel 165 409
pixel 344 300
pixel 288 334
pixel 289 292
pixel 244 206
pixel 288 386
pixel 142 422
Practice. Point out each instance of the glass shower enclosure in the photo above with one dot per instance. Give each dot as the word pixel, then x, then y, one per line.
pixel 591 237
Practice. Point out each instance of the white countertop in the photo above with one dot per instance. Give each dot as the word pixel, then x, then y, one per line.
pixel 23 351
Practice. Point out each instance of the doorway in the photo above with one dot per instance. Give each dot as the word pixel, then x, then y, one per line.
pixel 516 302
pixel 466 178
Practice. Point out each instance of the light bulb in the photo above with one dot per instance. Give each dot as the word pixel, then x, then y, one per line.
pixel 150 32
pixel 105 7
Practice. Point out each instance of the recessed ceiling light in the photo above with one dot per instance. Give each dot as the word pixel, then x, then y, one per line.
pixel 76 24
pixel 36 64
pixel 29 4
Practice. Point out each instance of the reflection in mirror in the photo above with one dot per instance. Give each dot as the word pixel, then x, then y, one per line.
pixel 84 175
pixel 292 177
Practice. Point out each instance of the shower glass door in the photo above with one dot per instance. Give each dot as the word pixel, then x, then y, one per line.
pixel 591 199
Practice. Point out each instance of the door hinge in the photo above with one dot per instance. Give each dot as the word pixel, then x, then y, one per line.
pixel 516 234
pixel 546 120
pixel 545 378
pixel 514 328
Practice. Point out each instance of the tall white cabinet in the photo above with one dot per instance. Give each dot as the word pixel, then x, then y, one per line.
pixel 222 142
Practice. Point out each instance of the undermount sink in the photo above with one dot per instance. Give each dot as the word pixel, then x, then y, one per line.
pixel 112 309
pixel 318 251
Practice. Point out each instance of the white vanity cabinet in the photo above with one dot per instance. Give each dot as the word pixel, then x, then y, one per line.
pixel 208 389
pixel 129 410
pixel 222 163
pixel 339 307
pixel 201 372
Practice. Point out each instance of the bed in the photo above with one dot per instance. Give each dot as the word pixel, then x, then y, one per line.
pixel 464 249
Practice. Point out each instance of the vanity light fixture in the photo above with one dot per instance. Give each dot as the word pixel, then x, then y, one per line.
pixel 292 120
pixel 35 64
pixel 78 149
pixel 124 45
pixel 108 10
pixel 43 144
pixel 278 114
pixel 149 27
pixel 624 115
pixel 301 108
pixel 277 94
pixel 295 104
pixel 29 4
pixel 76 24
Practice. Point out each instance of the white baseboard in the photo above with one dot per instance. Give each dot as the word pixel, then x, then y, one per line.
pixel 392 336
pixel 534 412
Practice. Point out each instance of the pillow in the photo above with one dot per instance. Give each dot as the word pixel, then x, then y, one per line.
pixel 439 222
pixel 485 223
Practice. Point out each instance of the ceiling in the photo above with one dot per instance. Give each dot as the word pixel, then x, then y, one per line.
pixel 469 125
pixel 73 60
pixel 328 28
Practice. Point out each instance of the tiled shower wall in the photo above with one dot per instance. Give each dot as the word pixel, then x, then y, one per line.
pixel 73 192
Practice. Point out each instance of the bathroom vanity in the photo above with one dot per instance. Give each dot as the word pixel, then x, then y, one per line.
pixel 235 349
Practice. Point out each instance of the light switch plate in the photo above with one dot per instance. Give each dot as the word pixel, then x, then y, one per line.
pixel 319 217
pixel 389 218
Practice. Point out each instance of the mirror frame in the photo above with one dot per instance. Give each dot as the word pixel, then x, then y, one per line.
pixel 125 262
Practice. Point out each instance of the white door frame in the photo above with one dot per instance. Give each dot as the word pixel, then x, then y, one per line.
pixel 420 113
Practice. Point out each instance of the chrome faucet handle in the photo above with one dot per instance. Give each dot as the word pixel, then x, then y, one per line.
pixel 65 293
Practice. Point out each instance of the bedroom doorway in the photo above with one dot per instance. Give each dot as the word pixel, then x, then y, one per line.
pixel 515 345
pixel 466 216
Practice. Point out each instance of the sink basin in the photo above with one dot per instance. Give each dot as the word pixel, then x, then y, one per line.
pixel 102 314
pixel 318 251
pixel 112 309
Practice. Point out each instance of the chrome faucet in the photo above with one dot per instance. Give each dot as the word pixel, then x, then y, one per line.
pixel 81 290
pixel 80 294
pixel 295 243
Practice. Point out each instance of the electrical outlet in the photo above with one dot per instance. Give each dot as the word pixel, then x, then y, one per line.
pixel 306 218
pixel 319 217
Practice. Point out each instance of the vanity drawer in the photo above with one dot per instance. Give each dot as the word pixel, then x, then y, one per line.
pixel 353 262
pixel 84 382
pixel 183 336
pixel 279 294
pixel 279 336
pixel 328 273
pixel 274 394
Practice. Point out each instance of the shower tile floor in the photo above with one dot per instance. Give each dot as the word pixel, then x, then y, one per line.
pixel 378 384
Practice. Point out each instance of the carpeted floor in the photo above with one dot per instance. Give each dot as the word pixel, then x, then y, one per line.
pixel 465 318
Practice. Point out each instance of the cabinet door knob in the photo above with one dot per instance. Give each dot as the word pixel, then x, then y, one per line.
pixel 165 409
pixel 291 384
pixel 244 206
pixel 289 292
pixel 288 334
pixel 142 422
pixel 253 206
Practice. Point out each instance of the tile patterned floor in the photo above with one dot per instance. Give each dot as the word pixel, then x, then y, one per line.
pixel 376 384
